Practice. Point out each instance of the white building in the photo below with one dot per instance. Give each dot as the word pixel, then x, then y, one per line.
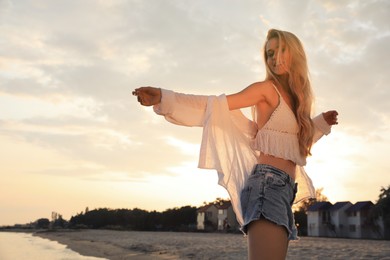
pixel 343 220
pixel 207 217
pixel 338 218
pixel 318 219
pixel 359 225
pixel 217 216
pixel 226 217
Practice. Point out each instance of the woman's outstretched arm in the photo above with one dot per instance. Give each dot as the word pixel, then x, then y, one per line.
pixel 177 108
pixel 250 96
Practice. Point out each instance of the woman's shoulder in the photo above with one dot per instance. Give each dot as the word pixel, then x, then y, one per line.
pixel 265 85
pixel 267 89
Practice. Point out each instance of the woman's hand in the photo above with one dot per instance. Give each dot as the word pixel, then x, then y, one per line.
pixel 331 117
pixel 148 96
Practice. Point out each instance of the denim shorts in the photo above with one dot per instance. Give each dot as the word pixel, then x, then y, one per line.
pixel 269 193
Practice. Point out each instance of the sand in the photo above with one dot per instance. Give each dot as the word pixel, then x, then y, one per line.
pixel 117 245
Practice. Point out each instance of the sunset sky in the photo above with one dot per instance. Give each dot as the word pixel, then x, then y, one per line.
pixel 72 136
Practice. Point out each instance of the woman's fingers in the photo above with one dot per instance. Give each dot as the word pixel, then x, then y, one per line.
pixel 142 95
pixel 147 96
pixel 331 117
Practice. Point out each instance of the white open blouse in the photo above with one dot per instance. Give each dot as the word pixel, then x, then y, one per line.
pixel 226 141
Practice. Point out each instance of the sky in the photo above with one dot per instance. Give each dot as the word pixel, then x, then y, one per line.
pixel 72 136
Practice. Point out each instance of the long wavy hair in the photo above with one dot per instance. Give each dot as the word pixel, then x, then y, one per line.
pixel 299 88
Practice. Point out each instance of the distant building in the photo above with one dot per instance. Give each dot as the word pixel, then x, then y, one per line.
pixel 318 219
pixel 207 217
pixel 343 219
pixel 226 217
pixel 217 216
pixel 338 218
pixel 360 225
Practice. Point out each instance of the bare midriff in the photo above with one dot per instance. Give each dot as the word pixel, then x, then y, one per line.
pixel 285 165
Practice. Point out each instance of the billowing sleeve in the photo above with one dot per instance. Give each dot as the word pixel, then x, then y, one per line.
pixel 321 127
pixel 182 109
pixel 226 148
pixel 226 137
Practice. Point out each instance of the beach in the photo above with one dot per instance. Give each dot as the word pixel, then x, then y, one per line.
pixel 117 245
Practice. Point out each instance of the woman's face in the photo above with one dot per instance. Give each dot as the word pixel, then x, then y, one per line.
pixel 278 57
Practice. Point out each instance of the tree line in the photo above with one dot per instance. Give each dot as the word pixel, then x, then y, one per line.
pixel 176 219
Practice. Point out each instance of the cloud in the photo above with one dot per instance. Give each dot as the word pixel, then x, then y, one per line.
pixel 73 57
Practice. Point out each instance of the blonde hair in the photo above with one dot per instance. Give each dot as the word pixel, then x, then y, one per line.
pixel 299 88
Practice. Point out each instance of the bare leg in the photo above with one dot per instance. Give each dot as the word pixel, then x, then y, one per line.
pixel 267 241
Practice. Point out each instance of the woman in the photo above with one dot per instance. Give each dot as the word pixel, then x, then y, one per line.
pixel 259 161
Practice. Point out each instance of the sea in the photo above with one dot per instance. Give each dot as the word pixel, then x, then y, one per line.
pixel 25 246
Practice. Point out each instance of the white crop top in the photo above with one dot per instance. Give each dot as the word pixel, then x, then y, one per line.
pixel 279 136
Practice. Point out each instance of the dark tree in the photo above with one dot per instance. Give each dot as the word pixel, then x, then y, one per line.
pixel 382 210
pixel 42 223
pixel 177 219
pixel 59 222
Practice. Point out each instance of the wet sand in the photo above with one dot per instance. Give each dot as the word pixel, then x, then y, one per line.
pixel 122 245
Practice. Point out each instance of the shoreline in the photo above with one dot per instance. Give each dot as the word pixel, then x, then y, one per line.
pixel 82 242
